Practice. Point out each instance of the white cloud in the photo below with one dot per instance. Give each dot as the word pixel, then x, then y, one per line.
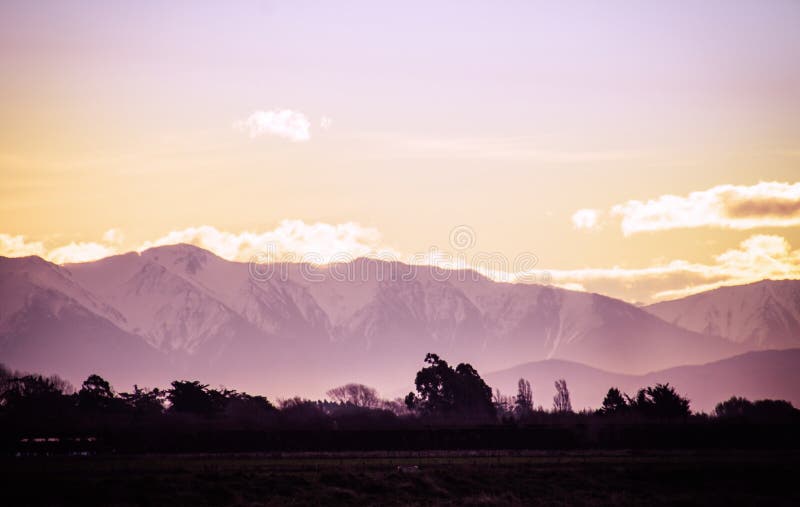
pixel 284 123
pixel 756 258
pixel 585 219
pixel 766 204
pixel 79 252
pixel 292 240
pixel 325 122
pixel 17 246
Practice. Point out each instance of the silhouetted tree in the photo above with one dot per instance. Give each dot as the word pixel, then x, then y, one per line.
pixel 37 401
pixel 297 412
pixel 775 411
pixel 735 407
pixel 191 397
pixel 524 402
pixel 504 405
pixel 143 401
pixel 248 410
pixel 561 401
pixel 660 401
pixel 761 411
pixel 355 394
pixel 614 403
pixel 95 393
pixel 444 391
pixel 34 391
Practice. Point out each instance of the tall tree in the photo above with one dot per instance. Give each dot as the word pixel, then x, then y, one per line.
pixel 561 401
pixel 524 401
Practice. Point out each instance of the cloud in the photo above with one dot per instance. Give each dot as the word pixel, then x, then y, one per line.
pixel 766 204
pixel 17 246
pixel 325 122
pixel 79 252
pixel 585 219
pixel 283 123
pixel 292 240
pixel 756 258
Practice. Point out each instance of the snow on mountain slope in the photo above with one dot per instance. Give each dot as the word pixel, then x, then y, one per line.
pixel 367 320
pixel 19 276
pixel 274 306
pixel 166 310
pixel 761 315
pixel 178 296
pixel 50 324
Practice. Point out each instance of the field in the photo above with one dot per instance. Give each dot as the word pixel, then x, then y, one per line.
pixel 442 478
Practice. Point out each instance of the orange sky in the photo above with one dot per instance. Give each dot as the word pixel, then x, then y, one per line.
pixel 407 121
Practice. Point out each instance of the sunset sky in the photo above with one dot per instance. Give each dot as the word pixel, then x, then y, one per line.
pixel 644 151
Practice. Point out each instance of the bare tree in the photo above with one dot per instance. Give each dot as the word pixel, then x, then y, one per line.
pixel 524 401
pixel 561 402
pixel 355 394
pixel 503 404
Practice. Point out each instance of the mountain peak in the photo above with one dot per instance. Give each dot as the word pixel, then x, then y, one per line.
pixel 188 258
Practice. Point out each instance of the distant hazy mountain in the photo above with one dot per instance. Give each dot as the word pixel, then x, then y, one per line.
pixel 180 311
pixel 764 315
pixel 754 375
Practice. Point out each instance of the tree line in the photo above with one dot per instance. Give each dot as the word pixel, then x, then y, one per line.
pixel 444 395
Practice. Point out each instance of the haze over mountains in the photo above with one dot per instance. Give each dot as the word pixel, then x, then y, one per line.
pixel 182 312
pixel 754 375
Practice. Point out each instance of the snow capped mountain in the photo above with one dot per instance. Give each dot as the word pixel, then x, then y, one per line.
pixel 50 324
pixel 305 328
pixel 761 315
pixel 166 310
pixel 25 278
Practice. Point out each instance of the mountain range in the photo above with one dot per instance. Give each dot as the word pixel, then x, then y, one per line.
pixel 182 312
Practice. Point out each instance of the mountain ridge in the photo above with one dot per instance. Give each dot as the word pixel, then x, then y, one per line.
pixel 309 327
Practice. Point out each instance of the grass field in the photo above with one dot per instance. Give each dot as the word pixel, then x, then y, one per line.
pixel 442 478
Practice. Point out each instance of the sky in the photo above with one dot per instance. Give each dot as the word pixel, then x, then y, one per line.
pixel 645 150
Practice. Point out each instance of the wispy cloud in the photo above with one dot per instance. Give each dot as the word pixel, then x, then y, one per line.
pixel 401 145
pixel 285 123
pixel 766 204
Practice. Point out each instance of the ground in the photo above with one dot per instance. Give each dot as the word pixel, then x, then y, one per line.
pixel 462 478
